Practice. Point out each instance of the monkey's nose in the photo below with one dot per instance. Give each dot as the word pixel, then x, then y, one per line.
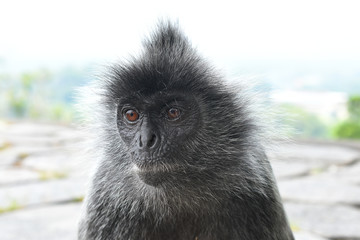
pixel 147 140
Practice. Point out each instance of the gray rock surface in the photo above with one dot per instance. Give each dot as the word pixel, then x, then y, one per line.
pixel 319 189
pixel 301 235
pixel 42 192
pixel 287 170
pixel 349 174
pixel 330 221
pixel 14 175
pixel 57 161
pixel 316 155
pixel 57 222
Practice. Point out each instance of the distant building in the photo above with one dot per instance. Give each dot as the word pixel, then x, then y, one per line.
pixel 329 106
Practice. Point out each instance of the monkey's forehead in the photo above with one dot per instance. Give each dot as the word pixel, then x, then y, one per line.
pixel 148 81
pixel 157 98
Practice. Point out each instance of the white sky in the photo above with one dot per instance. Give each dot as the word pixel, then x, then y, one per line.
pixel 44 32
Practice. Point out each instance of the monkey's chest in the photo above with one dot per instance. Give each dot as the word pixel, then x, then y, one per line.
pixel 175 228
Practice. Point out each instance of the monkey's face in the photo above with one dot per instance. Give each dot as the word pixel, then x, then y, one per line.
pixel 155 129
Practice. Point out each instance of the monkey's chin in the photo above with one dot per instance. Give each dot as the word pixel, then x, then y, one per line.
pixel 152 177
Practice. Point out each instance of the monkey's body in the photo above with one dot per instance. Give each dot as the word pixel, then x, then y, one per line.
pixel 181 157
pixel 157 217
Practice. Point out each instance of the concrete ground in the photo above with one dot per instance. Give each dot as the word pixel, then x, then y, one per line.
pixel 43 179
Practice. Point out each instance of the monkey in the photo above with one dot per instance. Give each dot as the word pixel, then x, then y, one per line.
pixel 180 154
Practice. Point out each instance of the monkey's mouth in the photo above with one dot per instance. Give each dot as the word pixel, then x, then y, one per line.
pixel 154 175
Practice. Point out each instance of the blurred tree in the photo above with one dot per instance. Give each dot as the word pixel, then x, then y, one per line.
pixel 31 95
pixel 17 102
pixel 350 128
pixel 303 124
pixel 354 107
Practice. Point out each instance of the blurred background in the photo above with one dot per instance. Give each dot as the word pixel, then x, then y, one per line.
pixel 305 55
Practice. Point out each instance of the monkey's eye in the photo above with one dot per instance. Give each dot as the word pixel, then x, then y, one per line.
pixel 173 113
pixel 131 115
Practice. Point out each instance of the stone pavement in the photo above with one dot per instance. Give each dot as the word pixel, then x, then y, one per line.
pixel 43 179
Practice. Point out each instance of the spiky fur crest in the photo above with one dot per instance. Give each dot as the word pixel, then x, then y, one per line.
pixel 228 190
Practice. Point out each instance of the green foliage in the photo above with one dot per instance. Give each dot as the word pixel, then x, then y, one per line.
pixel 354 107
pixel 17 102
pixel 350 128
pixel 61 111
pixel 303 124
pixel 13 206
pixel 34 95
pixel 78 199
pixel 50 175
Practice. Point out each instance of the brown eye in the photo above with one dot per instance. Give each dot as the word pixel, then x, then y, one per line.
pixel 173 113
pixel 131 115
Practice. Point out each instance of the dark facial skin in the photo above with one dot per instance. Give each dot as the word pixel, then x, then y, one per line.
pixel 154 128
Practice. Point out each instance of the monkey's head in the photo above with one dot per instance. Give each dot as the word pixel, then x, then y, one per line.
pixel 175 121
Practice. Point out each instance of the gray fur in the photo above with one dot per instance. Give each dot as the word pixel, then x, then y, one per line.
pixel 222 187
